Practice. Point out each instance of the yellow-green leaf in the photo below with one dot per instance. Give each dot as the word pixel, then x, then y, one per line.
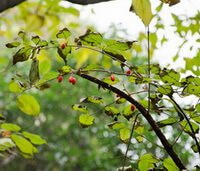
pixel 15 87
pixel 139 139
pixel 34 74
pixel 147 161
pixel 116 125
pixel 86 120
pixel 24 145
pixel 80 108
pixel 124 134
pixel 170 165
pixel 111 111
pixel 28 104
pixel 10 127
pixel 143 9
pixel 35 139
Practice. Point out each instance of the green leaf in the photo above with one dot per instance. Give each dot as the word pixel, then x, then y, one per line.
pixel 35 39
pixel 114 54
pixel 12 45
pixel 147 161
pixel 192 89
pixel 10 127
pixel 90 38
pixel 171 77
pixel 194 148
pixel 80 108
pixel 65 69
pixel 166 122
pixel 119 45
pixel 116 125
pixel 86 120
pixel 120 100
pixel 142 8
pixel 196 118
pixel 35 139
pixel 187 129
pixel 63 53
pixel 124 134
pixel 15 87
pixel 139 129
pixel 64 33
pixel 28 104
pixel 197 107
pixel 22 54
pixel 34 74
pixel 111 111
pixel 92 99
pixel 22 35
pixel 194 80
pixel 139 139
pixel 165 89
pixel 24 145
pixel 170 165
pixel 38 41
pixel 127 112
pixel 109 81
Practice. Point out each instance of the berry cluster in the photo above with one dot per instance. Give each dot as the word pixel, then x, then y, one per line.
pixel 71 79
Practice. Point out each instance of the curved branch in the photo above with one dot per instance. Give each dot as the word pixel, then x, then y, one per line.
pixel 86 2
pixel 6 4
pixel 168 147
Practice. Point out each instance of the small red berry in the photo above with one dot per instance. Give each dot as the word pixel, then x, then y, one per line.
pixel 74 81
pixel 128 72
pixel 112 78
pixel 70 79
pixel 118 96
pixel 60 78
pixel 63 45
pixel 132 107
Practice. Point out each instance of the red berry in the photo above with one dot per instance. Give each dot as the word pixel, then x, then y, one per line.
pixel 118 96
pixel 132 107
pixel 112 78
pixel 128 72
pixel 60 78
pixel 70 79
pixel 74 81
pixel 63 45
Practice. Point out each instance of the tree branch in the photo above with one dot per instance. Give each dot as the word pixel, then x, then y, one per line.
pixel 87 2
pixel 6 4
pixel 168 147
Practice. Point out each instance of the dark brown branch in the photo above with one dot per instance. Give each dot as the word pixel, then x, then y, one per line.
pixel 168 147
pixel 87 2
pixel 6 4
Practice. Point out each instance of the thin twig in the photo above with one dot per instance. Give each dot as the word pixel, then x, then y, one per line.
pixel 129 142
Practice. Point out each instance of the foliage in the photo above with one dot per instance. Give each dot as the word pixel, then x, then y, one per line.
pixel 44 60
